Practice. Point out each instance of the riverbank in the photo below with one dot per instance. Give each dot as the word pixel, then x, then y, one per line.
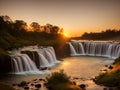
pixel 110 78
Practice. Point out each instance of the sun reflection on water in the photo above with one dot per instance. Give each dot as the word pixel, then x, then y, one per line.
pixel 66 63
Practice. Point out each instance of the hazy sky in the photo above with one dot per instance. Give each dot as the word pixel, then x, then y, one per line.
pixel 75 16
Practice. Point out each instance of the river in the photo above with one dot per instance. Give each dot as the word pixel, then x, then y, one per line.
pixel 81 69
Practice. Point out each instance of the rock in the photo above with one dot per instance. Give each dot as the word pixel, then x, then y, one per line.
pixel 26 88
pixel 106 65
pixel 43 68
pixel 42 79
pixel 19 85
pixel 28 82
pixel 23 83
pixel 38 85
pixel 32 84
pixel 14 84
pixel 45 84
pixel 75 78
pixel 110 67
pixel 105 70
pixel 74 82
pixel 83 86
pixel 35 82
pixel 34 79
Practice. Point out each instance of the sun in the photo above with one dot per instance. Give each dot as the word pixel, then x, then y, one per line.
pixel 66 35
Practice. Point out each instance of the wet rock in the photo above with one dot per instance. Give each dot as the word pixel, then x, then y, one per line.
pixel 83 86
pixel 35 82
pixel 32 84
pixel 38 85
pixel 45 84
pixel 14 84
pixel 23 83
pixel 43 68
pixel 75 78
pixel 74 83
pixel 28 82
pixel 106 65
pixel 19 85
pixel 34 79
pixel 105 70
pixel 40 79
pixel 110 67
pixel 26 88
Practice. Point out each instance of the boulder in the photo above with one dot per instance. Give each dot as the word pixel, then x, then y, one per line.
pixel 38 85
pixel 83 86
pixel 26 88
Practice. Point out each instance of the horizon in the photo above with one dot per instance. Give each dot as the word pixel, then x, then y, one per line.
pixel 75 16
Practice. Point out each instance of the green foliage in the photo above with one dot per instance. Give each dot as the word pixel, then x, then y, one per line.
pixel 15 34
pixel 23 83
pixel 58 77
pixel 117 61
pixel 4 86
pixel 2 52
pixel 109 79
pixel 60 81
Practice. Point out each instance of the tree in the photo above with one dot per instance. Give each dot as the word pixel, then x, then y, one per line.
pixel 54 30
pixel 5 23
pixel 35 26
pixel 20 28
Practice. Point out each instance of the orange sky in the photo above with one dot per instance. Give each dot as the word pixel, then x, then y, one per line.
pixel 75 16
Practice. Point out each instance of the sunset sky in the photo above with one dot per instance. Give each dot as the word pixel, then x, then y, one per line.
pixel 75 16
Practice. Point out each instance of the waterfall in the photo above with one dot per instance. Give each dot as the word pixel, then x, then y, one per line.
pixel 52 52
pixel 23 64
pixel 81 49
pixel 43 61
pixel 106 49
pixel 73 52
pixel 47 57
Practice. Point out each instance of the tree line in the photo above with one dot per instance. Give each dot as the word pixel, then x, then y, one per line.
pixel 20 25
pixel 103 35
pixel 17 33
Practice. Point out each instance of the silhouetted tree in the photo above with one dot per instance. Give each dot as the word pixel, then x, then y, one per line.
pixel 35 26
pixel 54 30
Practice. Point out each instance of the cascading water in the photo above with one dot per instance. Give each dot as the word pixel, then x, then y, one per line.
pixel 73 52
pixel 43 61
pixel 22 63
pixel 107 49
pixel 47 57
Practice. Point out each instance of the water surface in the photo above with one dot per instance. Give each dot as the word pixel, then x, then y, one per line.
pixel 83 68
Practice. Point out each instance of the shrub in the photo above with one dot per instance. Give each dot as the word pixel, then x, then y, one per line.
pixel 60 81
pixel 109 79
pixel 117 61
pixel 23 83
pixel 58 77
